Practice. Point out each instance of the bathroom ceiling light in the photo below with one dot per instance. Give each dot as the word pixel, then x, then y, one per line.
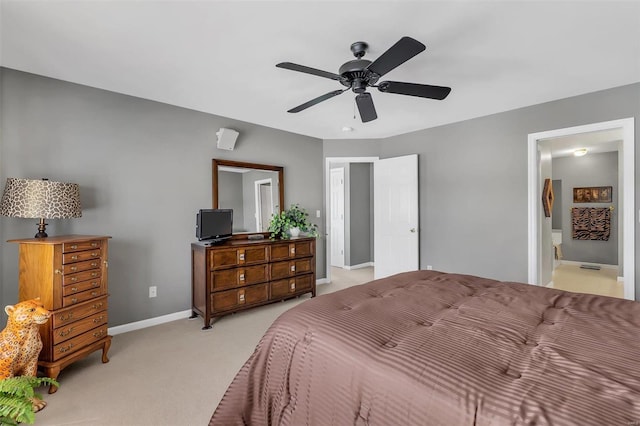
pixel 580 152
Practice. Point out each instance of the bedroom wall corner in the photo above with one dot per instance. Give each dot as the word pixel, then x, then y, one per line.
pixel 144 169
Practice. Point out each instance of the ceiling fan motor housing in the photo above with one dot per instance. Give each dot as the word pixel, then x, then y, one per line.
pixel 354 74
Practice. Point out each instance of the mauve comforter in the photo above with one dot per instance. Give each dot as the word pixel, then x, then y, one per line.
pixel 429 348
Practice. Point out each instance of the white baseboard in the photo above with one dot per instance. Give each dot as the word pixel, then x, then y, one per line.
pixel 359 266
pixel 138 325
pixel 602 265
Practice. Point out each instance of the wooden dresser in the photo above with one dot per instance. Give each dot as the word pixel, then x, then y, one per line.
pixel 69 275
pixel 242 274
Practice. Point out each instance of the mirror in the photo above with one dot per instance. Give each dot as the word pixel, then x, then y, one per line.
pixel 253 191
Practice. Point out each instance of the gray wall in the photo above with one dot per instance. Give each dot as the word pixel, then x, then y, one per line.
pixel 473 179
pixel 144 169
pixel 556 217
pixel 590 170
pixel 231 197
pixel 360 212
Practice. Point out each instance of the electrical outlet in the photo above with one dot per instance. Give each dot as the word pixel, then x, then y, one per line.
pixel 317 213
pixel 429 267
pixel 153 291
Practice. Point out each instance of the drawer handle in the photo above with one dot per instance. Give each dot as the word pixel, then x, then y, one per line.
pixel 74 300
pixel 65 333
pixel 293 250
pixel 97 305
pixel 74 257
pixel 74 246
pixel 98 333
pixel 241 297
pixel 62 318
pixel 94 264
pixel 74 279
pixel 292 286
pixel 57 271
pixel 95 284
pixel 94 293
pixel 99 319
pixel 68 348
pixel 241 277
pixel 74 288
pixel 106 264
pixel 94 274
pixel 241 257
pixel 293 268
pixel 94 254
pixel 74 268
pixel 94 244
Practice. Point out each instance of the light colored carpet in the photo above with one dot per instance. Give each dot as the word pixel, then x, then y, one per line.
pixel 171 374
pixel 604 282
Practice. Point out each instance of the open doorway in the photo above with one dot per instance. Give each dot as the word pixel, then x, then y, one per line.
pixel 349 219
pixel 613 142
pixel 264 203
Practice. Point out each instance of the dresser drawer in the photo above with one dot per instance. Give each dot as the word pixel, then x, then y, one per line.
pixel 76 328
pixel 79 256
pixel 70 346
pixel 291 286
pixel 80 245
pixel 72 268
pixel 232 299
pixel 225 258
pixel 291 249
pixel 70 289
pixel 230 278
pixel 80 297
pixel 290 268
pixel 282 251
pixel 65 316
pixel 81 276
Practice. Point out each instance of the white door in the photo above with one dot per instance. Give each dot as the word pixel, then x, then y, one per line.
pixel 337 217
pixel 395 204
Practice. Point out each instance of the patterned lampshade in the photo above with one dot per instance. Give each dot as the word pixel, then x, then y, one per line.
pixel 40 199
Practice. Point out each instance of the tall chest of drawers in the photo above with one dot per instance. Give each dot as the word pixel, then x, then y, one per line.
pixel 242 274
pixel 69 275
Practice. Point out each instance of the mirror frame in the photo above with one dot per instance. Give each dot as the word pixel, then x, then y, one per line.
pixel 216 163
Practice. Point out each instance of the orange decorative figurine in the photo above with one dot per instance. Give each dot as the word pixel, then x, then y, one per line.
pixel 20 342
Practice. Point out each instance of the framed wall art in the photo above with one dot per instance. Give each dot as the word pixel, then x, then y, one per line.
pixel 592 194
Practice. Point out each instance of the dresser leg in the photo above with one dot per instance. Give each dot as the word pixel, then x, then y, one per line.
pixel 105 349
pixel 193 315
pixel 52 372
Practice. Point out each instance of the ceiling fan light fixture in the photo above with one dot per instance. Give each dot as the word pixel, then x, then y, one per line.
pixel 580 152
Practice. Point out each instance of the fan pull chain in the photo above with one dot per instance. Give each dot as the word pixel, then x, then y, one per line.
pixel 354 108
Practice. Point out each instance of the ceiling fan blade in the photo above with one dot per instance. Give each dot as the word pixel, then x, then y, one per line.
pixel 405 49
pixel 413 89
pixel 366 107
pixel 308 70
pixel 317 100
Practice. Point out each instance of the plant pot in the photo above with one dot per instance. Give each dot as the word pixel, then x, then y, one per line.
pixel 294 232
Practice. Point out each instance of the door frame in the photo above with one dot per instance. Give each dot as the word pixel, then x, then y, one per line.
pixel 327 200
pixel 626 196
pixel 332 188
pixel 259 200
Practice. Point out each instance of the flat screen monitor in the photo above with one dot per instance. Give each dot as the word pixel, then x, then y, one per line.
pixel 214 224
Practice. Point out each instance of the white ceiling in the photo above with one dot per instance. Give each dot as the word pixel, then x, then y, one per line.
pixel 219 57
pixel 595 142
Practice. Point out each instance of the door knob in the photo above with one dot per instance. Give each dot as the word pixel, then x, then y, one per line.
pixel 413 229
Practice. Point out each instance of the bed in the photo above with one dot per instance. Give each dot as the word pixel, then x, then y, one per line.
pixel 431 348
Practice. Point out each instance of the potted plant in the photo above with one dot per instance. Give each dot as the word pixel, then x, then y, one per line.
pixel 16 398
pixel 290 223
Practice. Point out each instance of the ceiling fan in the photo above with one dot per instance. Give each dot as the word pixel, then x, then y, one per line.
pixel 358 74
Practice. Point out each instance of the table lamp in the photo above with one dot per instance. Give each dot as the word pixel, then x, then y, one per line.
pixel 40 199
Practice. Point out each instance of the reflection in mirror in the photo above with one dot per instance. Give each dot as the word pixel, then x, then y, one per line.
pixel 253 191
